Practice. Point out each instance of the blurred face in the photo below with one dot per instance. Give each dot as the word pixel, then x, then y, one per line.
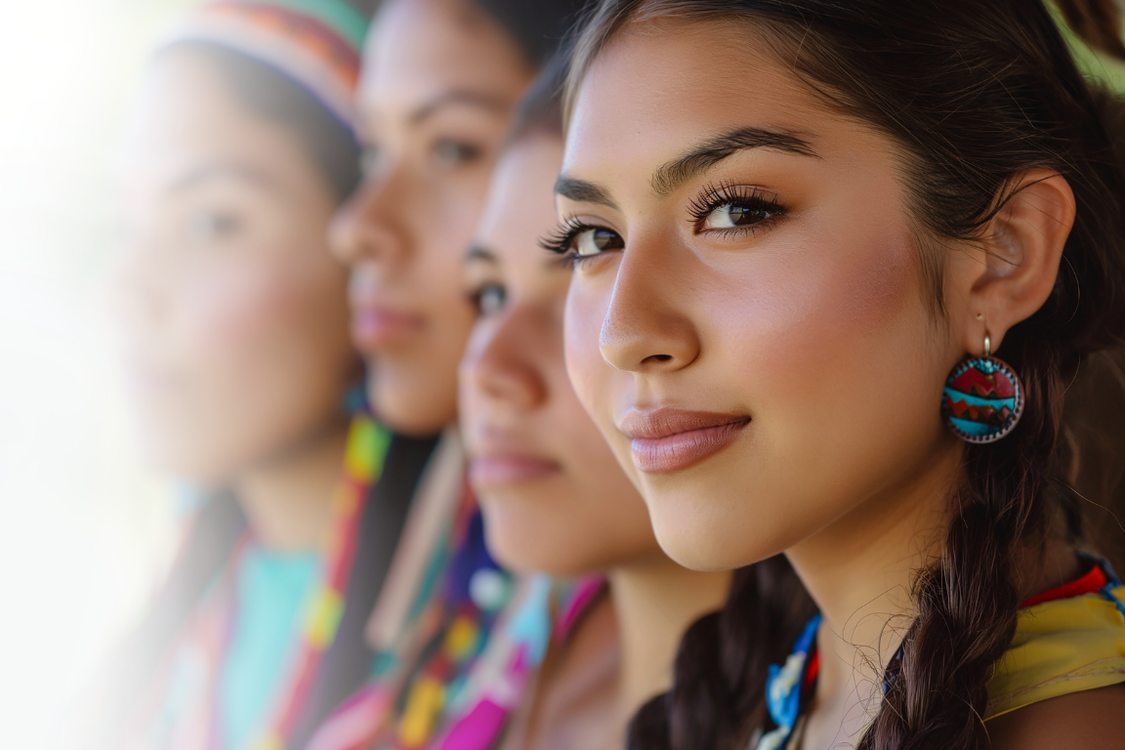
pixel 439 85
pixel 234 310
pixel 746 321
pixel 554 497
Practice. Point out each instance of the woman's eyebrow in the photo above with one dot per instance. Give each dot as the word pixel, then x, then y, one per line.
pixel 457 97
pixel 219 170
pixel 582 191
pixel 710 152
pixel 480 254
pixel 699 159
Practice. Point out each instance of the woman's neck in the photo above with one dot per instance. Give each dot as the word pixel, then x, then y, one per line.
pixel 860 571
pixel 288 499
pixel 655 601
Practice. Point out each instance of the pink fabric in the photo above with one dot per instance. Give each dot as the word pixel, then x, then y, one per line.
pixel 584 592
pixel 354 722
pixel 478 730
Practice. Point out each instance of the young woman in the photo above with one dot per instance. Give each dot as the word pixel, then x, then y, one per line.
pixel 237 153
pixel 438 90
pixel 835 263
pixel 553 497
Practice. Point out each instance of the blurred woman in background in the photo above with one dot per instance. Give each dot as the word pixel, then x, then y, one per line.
pixel 239 150
pixel 554 498
pixel 440 83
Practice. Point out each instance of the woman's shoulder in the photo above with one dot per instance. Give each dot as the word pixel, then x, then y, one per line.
pixel 1092 719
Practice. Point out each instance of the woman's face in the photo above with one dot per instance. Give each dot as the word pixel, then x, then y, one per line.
pixel 746 322
pixel 554 497
pixel 439 84
pixel 234 310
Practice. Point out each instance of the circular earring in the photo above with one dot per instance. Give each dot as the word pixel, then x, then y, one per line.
pixel 983 398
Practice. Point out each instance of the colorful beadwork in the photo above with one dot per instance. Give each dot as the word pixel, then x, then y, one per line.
pixel 316 43
pixel 367 446
pixel 983 400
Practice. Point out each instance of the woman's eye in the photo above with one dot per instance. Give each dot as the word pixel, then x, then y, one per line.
pixel 490 299
pixel 593 241
pixel 452 154
pixel 733 215
pixel 211 226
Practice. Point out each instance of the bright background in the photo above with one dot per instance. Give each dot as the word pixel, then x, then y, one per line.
pixel 83 531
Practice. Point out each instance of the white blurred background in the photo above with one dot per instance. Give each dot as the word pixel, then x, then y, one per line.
pixel 82 528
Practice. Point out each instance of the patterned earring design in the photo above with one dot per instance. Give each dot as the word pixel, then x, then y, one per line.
pixel 983 398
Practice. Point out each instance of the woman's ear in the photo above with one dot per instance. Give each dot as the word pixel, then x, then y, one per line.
pixel 1014 266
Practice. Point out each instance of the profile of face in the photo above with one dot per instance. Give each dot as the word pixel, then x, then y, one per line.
pixel 747 322
pixel 439 84
pixel 554 498
pixel 233 309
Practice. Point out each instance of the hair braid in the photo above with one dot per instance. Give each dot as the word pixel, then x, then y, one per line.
pixel 719 681
pixel 967 603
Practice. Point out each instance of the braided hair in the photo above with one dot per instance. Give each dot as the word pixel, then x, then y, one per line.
pixel 974 94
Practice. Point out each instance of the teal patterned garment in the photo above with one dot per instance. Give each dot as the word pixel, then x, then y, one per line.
pixel 271 589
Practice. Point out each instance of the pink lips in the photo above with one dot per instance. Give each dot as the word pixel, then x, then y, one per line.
pixel 374 327
pixel 498 469
pixel 670 440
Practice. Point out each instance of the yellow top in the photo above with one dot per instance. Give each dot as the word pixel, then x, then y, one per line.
pixel 1061 647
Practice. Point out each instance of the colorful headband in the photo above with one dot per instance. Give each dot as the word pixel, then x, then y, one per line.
pixel 316 43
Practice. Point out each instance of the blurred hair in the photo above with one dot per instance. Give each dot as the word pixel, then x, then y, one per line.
pixel 538 27
pixel 540 110
pixel 268 93
pixel 1088 468
pixel 1098 22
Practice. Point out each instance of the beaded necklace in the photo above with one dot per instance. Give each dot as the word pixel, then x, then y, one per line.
pixel 367 446
pixel 789 687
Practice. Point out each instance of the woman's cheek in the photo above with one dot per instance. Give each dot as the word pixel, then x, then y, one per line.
pixel 821 338
pixel 810 309
pixel 248 306
pixel 600 387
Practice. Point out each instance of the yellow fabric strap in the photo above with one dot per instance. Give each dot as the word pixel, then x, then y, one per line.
pixel 1061 647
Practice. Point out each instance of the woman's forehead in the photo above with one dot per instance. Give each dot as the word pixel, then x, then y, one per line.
pixel 650 93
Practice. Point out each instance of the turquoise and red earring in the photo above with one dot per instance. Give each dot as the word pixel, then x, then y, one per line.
pixel 983 398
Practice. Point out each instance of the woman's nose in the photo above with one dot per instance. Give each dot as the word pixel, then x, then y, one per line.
pixel 503 362
pixel 642 331
pixel 365 228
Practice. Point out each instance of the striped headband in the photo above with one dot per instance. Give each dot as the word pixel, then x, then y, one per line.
pixel 316 43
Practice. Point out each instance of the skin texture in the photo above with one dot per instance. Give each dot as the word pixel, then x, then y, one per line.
pixel 233 310
pixel 439 84
pixel 554 498
pixel 808 328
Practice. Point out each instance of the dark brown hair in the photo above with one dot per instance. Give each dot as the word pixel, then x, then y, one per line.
pixel 537 27
pixel 974 94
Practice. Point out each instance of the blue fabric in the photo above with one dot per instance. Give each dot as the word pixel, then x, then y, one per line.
pixel 271 589
pixel 783 688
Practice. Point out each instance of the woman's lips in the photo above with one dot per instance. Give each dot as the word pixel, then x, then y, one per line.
pixel 670 440
pixel 496 470
pixel 374 327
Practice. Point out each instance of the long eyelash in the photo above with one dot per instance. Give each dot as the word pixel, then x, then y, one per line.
pixel 559 239
pixel 720 194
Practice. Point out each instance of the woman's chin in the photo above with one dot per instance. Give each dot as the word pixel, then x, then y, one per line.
pixel 526 544
pixel 706 540
pixel 409 405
